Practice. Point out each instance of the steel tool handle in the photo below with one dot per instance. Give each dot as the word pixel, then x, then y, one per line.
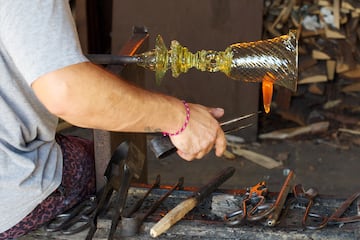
pixel 162 146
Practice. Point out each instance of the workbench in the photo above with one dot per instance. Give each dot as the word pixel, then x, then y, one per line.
pixel 206 221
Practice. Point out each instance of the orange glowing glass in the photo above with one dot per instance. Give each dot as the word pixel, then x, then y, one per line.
pixel 267 91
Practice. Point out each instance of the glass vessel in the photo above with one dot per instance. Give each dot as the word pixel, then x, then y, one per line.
pixel 271 61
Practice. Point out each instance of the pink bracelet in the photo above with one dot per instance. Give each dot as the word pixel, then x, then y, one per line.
pixel 187 119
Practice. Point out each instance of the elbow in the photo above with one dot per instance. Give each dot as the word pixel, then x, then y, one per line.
pixel 54 94
pixel 58 101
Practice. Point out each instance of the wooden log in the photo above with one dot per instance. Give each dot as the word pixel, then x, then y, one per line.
pixel 257 158
pixel 305 62
pixel 297 116
pixel 309 33
pixel 316 88
pixel 345 60
pixel 352 74
pixel 352 5
pixel 293 132
pixel 315 74
pixel 324 3
pixel 355 87
pixel 320 55
pixel 334 33
pixel 284 14
pixel 330 69
pixel 336 12
pixel 351 131
pixel 332 104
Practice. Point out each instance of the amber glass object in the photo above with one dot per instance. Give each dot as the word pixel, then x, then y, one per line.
pixel 271 61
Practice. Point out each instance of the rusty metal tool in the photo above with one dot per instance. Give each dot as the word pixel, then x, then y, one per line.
pixel 187 205
pixel 127 162
pixel 135 207
pixel 305 198
pixel 281 199
pixel 255 197
pixel 272 214
pixel 336 218
pixel 130 225
pixel 163 147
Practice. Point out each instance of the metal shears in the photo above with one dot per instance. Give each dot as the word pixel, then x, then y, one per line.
pixel 74 220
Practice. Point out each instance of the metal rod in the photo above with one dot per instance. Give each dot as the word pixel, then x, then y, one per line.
pixel 108 59
pixel 280 201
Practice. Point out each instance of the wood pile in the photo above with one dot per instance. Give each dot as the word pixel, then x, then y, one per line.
pixel 329 64
pixel 329 71
pixel 328 33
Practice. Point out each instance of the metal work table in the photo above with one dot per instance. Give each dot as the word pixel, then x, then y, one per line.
pixel 205 221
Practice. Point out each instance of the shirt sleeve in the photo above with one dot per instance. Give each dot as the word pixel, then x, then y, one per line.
pixel 39 36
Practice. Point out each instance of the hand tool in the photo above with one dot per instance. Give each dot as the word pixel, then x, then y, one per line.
pixel 135 207
pixel 305 198
pixel 255 196
pixel 335 218
pixel 126 163
pixel 239 217
pixel 89 210
pixel 74 220
pixel 281 199
pixel 130 225
pixel 163 147
pixel 274 211
pixel 187 205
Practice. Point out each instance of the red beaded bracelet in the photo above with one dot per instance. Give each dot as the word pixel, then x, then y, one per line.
pixel 187 119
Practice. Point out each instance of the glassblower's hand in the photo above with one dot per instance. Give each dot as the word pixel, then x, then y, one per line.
pixel 202 134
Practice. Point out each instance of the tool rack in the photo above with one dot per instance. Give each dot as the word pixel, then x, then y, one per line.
pixel 204 222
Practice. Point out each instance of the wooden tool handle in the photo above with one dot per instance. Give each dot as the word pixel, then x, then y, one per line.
pixel 173 216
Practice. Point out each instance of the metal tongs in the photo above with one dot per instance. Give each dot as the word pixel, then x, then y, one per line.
pixel 163 147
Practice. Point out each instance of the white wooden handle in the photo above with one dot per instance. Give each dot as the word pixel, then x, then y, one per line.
pixel 173 216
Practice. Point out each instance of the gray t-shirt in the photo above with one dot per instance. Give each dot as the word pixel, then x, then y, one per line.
pixel 36 37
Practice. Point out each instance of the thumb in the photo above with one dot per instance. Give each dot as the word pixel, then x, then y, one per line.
pixel 216 112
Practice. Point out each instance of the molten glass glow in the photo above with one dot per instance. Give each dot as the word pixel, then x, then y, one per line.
pixel 267 91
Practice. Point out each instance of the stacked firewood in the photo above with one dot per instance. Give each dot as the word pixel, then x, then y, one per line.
pixel 328 33
pixel 329 65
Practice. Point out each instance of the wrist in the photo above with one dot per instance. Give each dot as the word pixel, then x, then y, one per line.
pixel 185 123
